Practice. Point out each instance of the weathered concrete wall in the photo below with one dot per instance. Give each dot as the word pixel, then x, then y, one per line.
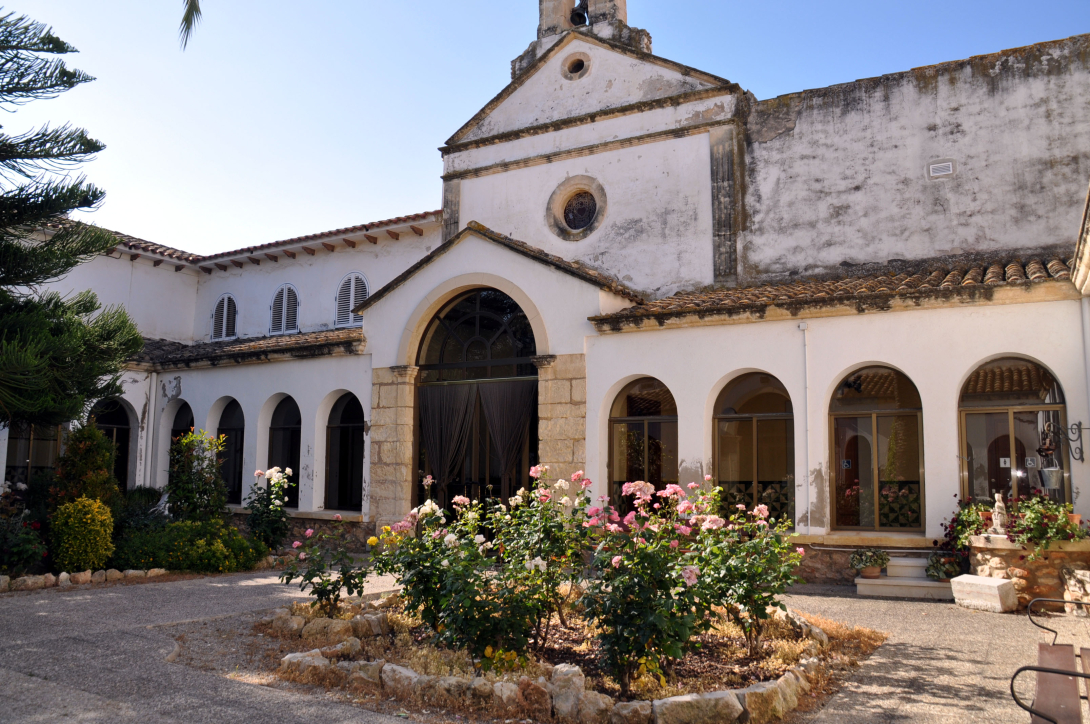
pixel 840 174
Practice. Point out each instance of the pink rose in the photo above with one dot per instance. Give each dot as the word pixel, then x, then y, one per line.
pixel 337 516
pixel 310 532
pixel 657 506
pixel 801 551
pixel 616 561
pixel 763 522
pixel 740 506
pixel 761 511
pixel 673 544
pixel 593 510
pixel 707 478
pixel 296 544
pixel 535 472
pixel 586 483
pixel 614 528
pixel 684 529
pixel 690 574
pixel 259 473
pixel 302 556
pixel 684 506
pixel 576 476
pixel 630 518
pixel 693 486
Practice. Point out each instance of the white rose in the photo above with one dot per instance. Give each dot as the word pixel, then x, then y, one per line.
pixel 515 501
pixel 451 540
pixel 445 563
pixel 565 500
pixel 478 539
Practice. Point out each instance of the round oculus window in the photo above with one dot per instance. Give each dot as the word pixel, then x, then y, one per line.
pixel 580 210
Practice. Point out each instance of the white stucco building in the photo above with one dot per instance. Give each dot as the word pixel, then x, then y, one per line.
pixel 852 304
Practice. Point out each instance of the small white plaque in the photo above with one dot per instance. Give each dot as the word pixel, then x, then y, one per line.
pixel 1004 462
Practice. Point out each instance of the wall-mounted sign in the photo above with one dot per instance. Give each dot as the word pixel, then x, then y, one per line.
pixel 1004 462
pixel 1031 462
pixel 846 464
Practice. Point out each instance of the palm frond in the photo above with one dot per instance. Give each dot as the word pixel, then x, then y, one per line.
pixel 190 17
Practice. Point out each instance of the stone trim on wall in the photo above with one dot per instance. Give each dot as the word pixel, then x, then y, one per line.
pixel 393 406
pixel 562 413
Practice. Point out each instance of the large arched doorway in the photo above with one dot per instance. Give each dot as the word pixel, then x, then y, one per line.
pixel 877 451
pixel 477 423
pixel 183 422
pixel 642 437
pixel 1013 420
pixel 285 439
pixel 344 455
pixel 232 427
pixel 112 418
pixel 755 445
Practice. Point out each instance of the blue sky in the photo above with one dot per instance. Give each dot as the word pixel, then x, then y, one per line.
pixel 283 118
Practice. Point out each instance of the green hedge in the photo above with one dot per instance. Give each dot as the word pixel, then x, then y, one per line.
pixel 82 534
pixel 209 547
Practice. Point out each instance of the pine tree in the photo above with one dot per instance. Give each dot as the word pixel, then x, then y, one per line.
pixel 57 354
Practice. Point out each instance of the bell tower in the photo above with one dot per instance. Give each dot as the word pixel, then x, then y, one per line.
pixel 606 19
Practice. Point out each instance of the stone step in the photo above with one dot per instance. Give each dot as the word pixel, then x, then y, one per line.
pixel 907 568
pixel 904 588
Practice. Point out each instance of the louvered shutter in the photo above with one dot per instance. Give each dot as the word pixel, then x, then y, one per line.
pixel 291 312
pixel 277 325
pixel 229 318
pixel 217 320
pixel 344 302
pixel 359 295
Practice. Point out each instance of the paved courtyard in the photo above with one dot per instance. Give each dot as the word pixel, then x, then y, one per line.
pixel 97 655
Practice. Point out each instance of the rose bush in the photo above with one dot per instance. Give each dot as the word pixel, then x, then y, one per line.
pixel 268 519
pixel 324 567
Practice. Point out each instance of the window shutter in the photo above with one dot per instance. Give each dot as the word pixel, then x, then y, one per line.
pixel 359 296
pixel 217 321
pixel 229 318
pixel 277 324
pixel 291 313
pixel 344 302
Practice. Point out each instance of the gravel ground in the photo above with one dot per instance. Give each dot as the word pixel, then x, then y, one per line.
pixel 97 655
pixel 940 665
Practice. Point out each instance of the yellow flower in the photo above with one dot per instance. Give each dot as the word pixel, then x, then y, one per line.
pixel 372 541
pixel 385 529
pixel 488 652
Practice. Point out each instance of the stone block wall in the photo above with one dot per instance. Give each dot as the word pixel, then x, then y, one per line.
pixel 562 413
pixel 826 566
pixel 393 405
pixel 1060 571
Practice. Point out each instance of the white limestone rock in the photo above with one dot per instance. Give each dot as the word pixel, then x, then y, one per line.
pixel 763 701
pixel 303 662
pixel 368 673
pixel 64 580
pixel 567 686
pixel 344 650
pixel 5 583
pixel 594 708
pixel 98 577
pixel 719 707
pixel 49 580
pixel 398 679
pixel 631 712
pixel 81 578
pixel 290 626
pixel 156 572
pixel 114 575
pixel 28 583
pixel 332 628
pixel 982 593
pixel 134 573
pixel 505 695
pixel 480 693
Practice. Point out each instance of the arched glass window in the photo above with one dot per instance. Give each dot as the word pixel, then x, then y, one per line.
pixel 1012 432
pixel 344 455
pixel 643 437
pixel 285 439
pixel 352 292
pixel 877 455
pixel 113 419
pixel 224 318
pixel 285 311
pixel 755 445
pixel 478 398
pixel 233 427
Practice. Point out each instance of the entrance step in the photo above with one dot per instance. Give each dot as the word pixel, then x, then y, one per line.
pixel 907 568
pixel 901 587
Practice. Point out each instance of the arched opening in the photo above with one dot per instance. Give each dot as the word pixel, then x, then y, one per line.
pixel 877 451
pixel 477 428
pixel 183 421
pixel 232 427
pixel 643 437
pixel 112 418
pixel 755 445
pixel 1013 420
pixel 285 440
pixel 344 455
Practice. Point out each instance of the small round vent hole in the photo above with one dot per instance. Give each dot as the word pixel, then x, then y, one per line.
pixel 576 66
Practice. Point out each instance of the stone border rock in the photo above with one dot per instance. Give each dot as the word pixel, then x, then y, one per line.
pixel 563 696
pixel 65 580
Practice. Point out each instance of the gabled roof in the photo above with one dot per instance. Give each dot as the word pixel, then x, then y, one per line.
pixel 585 36
pixel 869 287
pixel 166 354
pixel 572 268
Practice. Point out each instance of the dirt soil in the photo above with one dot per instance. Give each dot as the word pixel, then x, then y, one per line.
pixel 242 648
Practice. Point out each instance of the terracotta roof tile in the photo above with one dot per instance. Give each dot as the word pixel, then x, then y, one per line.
pixel 931 276
pixel 308 344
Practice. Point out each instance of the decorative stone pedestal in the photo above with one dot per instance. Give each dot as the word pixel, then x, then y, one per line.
pixel 983 593
pixel 1060 571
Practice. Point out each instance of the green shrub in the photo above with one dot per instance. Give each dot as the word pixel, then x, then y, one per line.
pixel 85 470
pixel 136 510
pixel 196 490
pixel 268 520
pixel 82 535
pixel 207 547
pixel 20 545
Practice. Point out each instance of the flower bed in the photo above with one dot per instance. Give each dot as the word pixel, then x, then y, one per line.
pixel 379 649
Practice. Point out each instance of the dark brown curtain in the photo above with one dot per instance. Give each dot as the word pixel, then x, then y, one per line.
pixel 507 408
pixel 446 418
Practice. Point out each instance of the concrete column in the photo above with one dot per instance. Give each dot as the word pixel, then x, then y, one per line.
pixel 393 406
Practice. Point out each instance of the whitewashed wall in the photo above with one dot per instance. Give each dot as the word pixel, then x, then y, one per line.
pixel 937 349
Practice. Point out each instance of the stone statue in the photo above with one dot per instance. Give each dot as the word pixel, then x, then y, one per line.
pixel 999 516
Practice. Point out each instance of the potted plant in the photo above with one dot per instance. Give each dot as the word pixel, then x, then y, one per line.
pixel 869 562
pixel 943 565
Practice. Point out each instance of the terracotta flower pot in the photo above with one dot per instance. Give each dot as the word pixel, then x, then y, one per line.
pixel 1075 518
pixel 986 516
pixel 871 572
